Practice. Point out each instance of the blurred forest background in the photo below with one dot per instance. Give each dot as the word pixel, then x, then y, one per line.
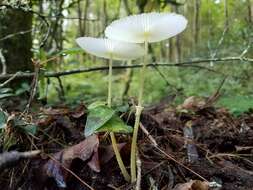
pixel 216 45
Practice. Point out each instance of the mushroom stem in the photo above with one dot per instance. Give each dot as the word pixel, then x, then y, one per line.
pixel 113 139
pixel 139 109
pixel 109 98
pixel 118 158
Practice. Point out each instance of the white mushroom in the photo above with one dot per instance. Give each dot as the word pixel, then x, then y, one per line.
pixel 112 50
pixel 149 27
pixel 144 28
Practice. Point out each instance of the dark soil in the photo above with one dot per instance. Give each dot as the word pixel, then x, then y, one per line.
pixel 209 141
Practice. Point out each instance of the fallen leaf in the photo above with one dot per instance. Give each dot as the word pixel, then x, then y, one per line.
pixel 108 153
pixel 192 103
pixel 79 111
pixel 84 150
pixel 58 111
pixel 192 185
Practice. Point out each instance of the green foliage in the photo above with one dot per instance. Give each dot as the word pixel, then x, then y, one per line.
pixel 237 104
pixel 6 92
pixel 91 87
pixel 3 119
pixel 25 127
pixel 116 125
pixel 104 119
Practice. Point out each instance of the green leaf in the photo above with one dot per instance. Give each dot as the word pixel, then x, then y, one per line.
pixel 25 127
pixel 116 125
pixel 2 96
pixel 3 119
pixel 96 104
pixel 30 128
pixel 70 51
pixel 5 90
pixel 97 117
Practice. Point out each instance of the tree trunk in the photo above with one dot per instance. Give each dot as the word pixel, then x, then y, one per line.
pixel 196 21
pixel 17 48
pixel 250 11
pixel 178 41
pixel 226 14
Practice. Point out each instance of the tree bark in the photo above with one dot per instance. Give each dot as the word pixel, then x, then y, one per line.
pixel 178 42
pixel 196 21
pixel 226 13
pixel 250 11
pixel 17 49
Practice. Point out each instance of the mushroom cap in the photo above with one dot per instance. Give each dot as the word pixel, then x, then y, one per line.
pixel 107 48
pixel 150 27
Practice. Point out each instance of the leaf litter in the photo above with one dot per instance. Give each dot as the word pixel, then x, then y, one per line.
pixel 208 140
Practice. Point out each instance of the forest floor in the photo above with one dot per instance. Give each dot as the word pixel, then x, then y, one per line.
pixel 181 149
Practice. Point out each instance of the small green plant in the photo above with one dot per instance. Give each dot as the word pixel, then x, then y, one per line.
pixel 144 28
pixel 102 118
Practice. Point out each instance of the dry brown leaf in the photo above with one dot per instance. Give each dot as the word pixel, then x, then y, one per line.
pixel 85 150
pixel 192 185
pixel 192 103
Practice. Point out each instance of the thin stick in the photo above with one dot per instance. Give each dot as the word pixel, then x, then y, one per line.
pixel 138 181
pixel 148 134
pixel 189 64
pixel 171 157
pixel 33 86
pixel 9 80
pixel 72 173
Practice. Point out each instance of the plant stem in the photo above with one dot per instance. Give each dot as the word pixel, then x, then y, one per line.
pixel 113 139
pixel 139 109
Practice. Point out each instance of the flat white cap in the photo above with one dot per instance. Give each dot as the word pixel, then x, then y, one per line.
pixel 107 48
pixel 150 27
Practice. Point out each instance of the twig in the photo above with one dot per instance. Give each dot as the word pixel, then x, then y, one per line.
pixel 61 89
pixel 148 135
pixel 173 159
pixel 216 94
pixel 9 80
pixel 191 64
pixel 9 158
pixel 72 173
pixel 213 55
pixel 16 34
pixel 138 180
pixel 3 61
pixel 34 85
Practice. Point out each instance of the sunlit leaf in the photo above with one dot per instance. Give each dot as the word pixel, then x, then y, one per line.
pixel 116 125
pixel 97 117
pixel 96 104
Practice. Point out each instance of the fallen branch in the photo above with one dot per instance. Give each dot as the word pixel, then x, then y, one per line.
pixel 11 158
pixel 192 64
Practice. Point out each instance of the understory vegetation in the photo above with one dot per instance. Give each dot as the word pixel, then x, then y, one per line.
pixel 126 94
